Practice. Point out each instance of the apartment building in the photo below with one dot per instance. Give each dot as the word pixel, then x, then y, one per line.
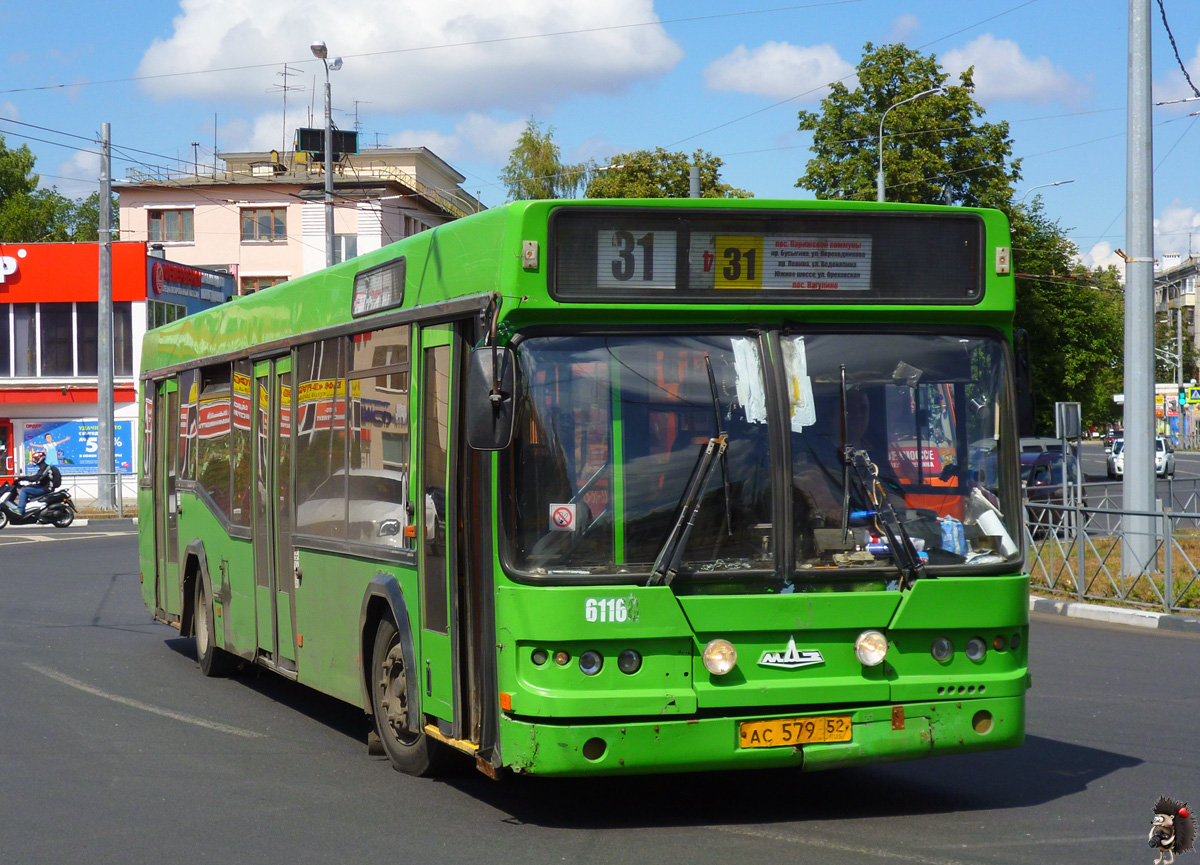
pixel 260 216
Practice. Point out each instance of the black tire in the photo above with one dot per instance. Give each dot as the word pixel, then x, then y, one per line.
pixel 3 517
pixel 213 661
pixel 412 754
pixel 63 518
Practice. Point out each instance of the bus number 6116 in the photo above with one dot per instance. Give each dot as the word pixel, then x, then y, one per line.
pixel 605 610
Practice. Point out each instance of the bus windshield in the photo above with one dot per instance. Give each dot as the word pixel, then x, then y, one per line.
pixel 612 429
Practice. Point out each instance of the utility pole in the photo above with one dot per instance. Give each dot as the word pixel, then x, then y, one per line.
pixel 104 333
pixel 1137 551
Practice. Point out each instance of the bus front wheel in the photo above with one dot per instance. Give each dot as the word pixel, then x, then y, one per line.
pixel 213 661
pixel 411 753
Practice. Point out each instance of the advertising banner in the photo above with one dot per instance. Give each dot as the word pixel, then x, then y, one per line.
pixel 74 445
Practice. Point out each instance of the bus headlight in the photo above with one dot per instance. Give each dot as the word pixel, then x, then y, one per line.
pixel 976 649
pixel 719 657
pixel 871 648
pixel 942 650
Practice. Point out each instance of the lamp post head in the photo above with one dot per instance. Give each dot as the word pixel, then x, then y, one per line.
pixel 335 64
pixel 319 50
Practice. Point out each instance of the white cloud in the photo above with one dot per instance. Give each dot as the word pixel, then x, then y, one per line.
pixel 474 137
pixel 779 70
pixel 77 176
pixel 9 111
pixel 391 54
pixel 1102 255
pixel 904 27
pixel 1177 230
pixel 1002 71
pixel 1175 86
pixel 1176 226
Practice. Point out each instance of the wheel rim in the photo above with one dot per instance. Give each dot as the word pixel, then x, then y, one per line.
pixel 201 623
pixel 393 693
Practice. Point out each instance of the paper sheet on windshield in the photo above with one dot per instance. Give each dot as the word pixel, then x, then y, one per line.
pixel 750 392
pixel 800 393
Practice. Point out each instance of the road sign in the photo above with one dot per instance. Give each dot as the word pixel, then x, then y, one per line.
pixel 1193 394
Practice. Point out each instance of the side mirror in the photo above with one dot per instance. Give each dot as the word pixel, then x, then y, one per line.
pixel 1026 401
pixel 491 398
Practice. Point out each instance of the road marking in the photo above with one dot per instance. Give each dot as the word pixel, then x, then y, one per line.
pixel 876 852
pixel 145 707
pixel 16 538
pixel 825 844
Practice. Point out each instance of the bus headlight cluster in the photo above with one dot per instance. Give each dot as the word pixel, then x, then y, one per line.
pixel 591 662
pixel 719 657
pixel 976 649
pixel 871 648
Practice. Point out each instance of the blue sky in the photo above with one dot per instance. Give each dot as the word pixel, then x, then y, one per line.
pixel 462 77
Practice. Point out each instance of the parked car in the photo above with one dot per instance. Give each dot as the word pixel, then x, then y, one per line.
pixel 1164 459
pixel 1042 477
pixel 1043 444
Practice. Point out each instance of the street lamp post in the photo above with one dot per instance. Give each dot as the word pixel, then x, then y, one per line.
pixel 1042 186
pixel 322 53
pixel 879 177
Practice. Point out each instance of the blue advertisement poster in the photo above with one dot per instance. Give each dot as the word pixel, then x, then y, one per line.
pixel 74 445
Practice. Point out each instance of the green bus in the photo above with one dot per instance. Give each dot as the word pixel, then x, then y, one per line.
pixel 613 487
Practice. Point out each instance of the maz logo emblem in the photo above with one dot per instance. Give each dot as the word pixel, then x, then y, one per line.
pixel 791 657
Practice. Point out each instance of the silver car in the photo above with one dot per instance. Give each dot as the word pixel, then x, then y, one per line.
pixel 1164 459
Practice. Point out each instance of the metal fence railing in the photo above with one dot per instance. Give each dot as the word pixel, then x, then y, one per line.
pixel 1077 550
pixel 103 494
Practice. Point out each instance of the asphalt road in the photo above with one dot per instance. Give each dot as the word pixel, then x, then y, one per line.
pixel 116 749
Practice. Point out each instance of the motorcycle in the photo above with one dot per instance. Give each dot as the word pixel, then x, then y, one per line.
pixel 54 507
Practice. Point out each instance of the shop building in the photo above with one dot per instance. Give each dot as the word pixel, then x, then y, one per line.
pixel 49 301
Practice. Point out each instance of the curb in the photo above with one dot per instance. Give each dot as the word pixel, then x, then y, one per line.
pixel 1116 615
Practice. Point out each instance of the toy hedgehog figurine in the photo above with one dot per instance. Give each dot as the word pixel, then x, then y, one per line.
pixel 1173 830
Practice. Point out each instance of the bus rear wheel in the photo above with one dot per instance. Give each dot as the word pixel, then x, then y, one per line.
pixel 411 753
pixel 213 661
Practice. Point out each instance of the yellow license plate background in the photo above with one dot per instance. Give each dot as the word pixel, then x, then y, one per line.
pixel 795 731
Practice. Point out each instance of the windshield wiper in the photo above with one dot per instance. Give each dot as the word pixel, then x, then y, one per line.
pixel 908 560
pixel 712 386
pixel 666 565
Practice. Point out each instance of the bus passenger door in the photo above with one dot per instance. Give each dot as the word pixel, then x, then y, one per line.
pixel 166 499
pixel 436 530
pixel 274 573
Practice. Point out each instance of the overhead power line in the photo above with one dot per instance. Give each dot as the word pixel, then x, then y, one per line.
pixel 464 44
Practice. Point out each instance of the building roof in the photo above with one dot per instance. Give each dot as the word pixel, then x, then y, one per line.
pixel 368 173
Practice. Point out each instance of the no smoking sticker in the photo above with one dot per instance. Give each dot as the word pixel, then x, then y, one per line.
pixel 562 518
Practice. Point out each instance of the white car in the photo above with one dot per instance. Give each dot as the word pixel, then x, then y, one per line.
pixel 1164 459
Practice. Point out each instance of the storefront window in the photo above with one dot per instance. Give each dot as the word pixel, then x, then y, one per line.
pixel 25 339
pixel 5 343
pixel 86 330
pixel 123 338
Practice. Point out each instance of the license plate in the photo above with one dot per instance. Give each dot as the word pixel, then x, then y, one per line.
pixel 795 731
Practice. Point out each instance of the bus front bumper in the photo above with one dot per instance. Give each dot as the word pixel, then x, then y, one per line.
pixel 878 734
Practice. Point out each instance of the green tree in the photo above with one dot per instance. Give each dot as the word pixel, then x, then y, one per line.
pixel 16 171
pixel 1075 319
pixel 936 150
pixel 660 174
pixel 31 214
pixel 535 168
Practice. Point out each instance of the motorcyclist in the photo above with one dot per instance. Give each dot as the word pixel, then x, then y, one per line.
pixel 36 483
